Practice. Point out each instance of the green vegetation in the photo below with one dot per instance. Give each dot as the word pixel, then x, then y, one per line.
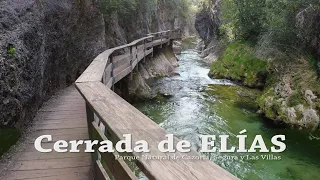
pixel 8 137
pixel 239 63
pixel 11 51
pixel 272 44
pixel 244 18
pixel 128 11
pixel 277 28
pixel 233 101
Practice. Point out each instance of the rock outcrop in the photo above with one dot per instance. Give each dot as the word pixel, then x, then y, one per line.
pixel 290 100
pixel 207 24
pixel 161 65
pixel 207 21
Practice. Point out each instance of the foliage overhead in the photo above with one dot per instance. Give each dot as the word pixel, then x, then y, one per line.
pixel 277 26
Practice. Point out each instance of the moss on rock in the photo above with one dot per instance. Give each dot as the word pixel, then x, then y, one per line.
pixel 293 98
pixel 239 63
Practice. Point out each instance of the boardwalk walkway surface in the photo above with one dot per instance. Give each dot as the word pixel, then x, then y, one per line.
pixel 63 117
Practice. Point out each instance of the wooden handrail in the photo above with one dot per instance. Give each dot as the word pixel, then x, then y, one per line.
pixel 110 117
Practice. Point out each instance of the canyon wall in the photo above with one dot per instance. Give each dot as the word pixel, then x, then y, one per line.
pixel 45 45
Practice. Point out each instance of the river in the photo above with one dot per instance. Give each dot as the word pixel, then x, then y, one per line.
pixel 197 105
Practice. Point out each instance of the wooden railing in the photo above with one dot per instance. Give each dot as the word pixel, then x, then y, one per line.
pixel 110 117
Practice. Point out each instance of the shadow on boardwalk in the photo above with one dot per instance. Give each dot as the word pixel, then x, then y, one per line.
pixel 63 117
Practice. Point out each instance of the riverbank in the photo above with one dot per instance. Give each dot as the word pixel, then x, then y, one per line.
pixel 290 90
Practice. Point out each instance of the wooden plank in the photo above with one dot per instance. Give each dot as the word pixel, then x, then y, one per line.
pixel 30 147
pixel 107 73
pixel 63 109
pixel 110 83
pixel 66 137
pixel 121 61
pixel 30 156
pixel 70 118
pixel 100 173
pixel 149 51
pixel 68 176
pixel 134 63
pixel 122 118
pixel 140 56
pixel 122 74
pixel 52 164
pixel 118 167
pixel 120 69
pixel 62 121
pixel 121 57
pixel 60 126
pixel 158 42
pixel 81 172
pixel 61 131
pixel 54 116
pixel 150 44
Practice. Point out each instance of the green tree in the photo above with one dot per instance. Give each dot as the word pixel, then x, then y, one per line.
pixel 245 18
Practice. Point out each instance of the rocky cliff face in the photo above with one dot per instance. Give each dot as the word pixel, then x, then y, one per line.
pixel 207 22
pixel 46 44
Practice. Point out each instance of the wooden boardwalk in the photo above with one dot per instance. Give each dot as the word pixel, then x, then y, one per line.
pixel 100 114
pixel 63 117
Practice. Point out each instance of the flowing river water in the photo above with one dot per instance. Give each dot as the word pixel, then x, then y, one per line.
pixel 197 105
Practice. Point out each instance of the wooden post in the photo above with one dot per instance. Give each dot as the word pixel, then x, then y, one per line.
pixel 131 58
pixel 169 38
pixel 144 51
pixel 152 46
pixel 112 73
pixel 90 120
pixel 161 40
pixel 137 57
pixel 104 77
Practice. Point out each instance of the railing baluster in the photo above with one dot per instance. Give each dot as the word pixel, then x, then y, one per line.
pixel 152 39
pixel 161 39
pixel 137 58
pixel 131 59
pixel 94 156
pixel 144 51
pixel 112 70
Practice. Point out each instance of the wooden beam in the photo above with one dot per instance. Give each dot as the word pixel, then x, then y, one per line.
pixel 122 74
